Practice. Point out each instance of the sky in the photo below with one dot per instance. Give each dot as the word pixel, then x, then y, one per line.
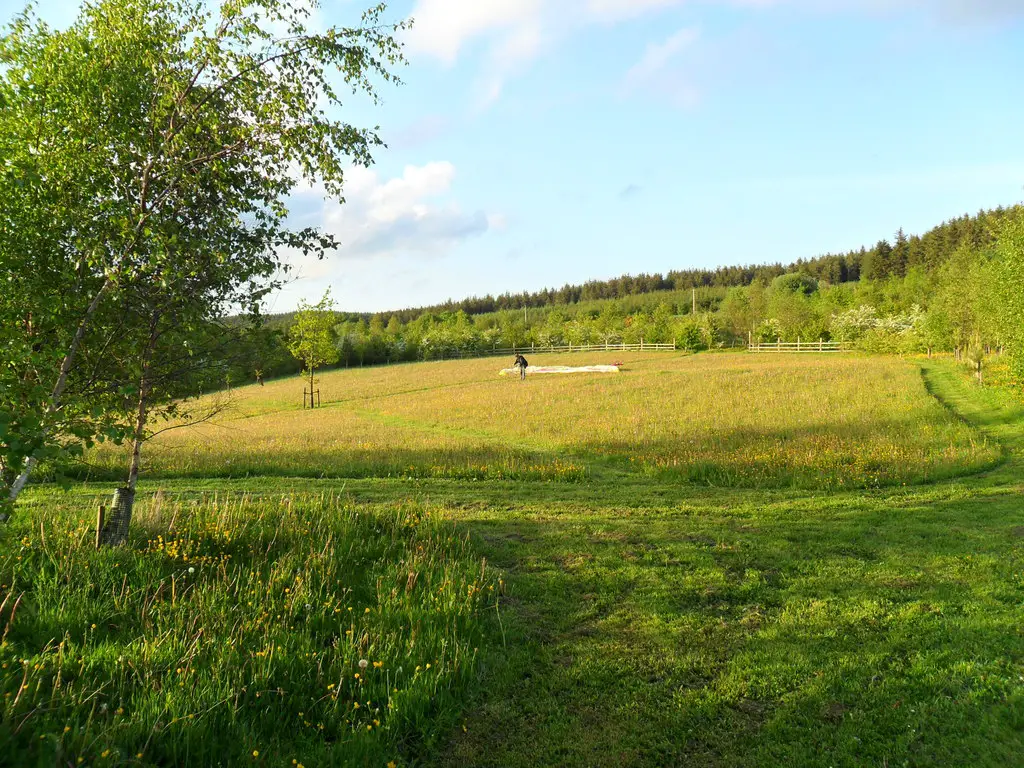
pixel 536 143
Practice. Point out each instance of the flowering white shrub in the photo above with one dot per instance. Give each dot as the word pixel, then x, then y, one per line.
pixel 891 333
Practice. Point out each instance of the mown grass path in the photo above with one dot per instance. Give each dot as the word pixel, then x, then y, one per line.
pixel 739 628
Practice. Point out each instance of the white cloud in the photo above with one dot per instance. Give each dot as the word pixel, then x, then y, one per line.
pixel 443 27
pixel 401 221
pixel 411 214
pixel 517 31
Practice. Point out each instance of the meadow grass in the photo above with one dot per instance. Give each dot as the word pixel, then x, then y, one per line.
pixel 643 621
pixel 814 421
pixel 235 631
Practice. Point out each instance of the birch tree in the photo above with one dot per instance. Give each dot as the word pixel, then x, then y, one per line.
pixel 149 151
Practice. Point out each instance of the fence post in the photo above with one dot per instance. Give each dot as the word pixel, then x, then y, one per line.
pixel 797 343
pixel 641 343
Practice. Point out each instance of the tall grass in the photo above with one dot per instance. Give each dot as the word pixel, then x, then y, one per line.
pixel 236 631
pixel 733 420
pixel 811 421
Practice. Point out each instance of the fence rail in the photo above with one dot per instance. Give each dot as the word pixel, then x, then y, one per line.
pixel 643 346
pixel 797 346
pixel 534 349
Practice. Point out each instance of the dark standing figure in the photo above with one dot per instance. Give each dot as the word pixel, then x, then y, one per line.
pixel 521 364
pixel 259 376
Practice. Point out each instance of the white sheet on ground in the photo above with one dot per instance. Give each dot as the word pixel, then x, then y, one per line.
pixel 532 369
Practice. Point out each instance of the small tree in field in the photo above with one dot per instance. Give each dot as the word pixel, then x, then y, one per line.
pixel 976 357
pixel 312 337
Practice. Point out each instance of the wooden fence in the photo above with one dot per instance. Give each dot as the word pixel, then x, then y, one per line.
pixel 643 346
pixel 797 346
pixel 533 349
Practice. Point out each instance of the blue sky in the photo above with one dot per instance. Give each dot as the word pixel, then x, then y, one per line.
pixel 540 142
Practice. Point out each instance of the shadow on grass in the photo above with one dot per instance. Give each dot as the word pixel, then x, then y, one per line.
pixel 768 636
pixel 471 463
pixel 823 456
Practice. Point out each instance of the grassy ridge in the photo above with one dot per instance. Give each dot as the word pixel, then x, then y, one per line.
pixel 825 422
pixel 235 631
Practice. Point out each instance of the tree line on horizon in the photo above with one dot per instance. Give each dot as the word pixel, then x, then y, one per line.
pixel 881 261
pixel 919 293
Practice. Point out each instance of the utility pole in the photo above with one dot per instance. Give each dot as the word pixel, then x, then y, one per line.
pixel 694 310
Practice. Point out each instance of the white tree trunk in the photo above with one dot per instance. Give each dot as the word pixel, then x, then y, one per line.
pixel 60 385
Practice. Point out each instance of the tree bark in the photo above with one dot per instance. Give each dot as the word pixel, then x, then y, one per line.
pixel 115 530
pixel 60 385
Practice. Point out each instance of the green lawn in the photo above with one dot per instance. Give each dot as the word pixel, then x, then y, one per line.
pixel 636 620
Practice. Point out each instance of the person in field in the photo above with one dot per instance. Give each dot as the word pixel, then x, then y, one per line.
pixel 521 364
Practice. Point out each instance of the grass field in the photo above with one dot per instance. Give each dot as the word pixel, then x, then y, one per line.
pixel 667 603
pixel 809 422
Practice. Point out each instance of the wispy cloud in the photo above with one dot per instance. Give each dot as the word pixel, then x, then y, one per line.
pixel 617 10
pixel 517 31
pixel 653 70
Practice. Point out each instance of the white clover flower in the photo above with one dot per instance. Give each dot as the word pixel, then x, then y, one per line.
pixel 191 569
